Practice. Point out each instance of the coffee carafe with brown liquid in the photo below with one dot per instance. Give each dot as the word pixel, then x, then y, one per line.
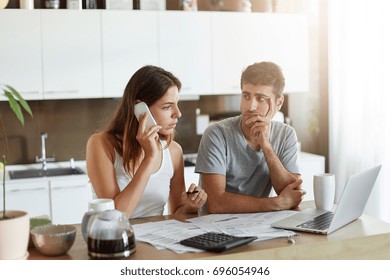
pixel 111 236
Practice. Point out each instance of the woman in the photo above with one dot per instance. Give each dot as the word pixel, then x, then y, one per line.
pixel 142 169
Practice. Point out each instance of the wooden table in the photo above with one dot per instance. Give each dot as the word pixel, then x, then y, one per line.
pixel 365 238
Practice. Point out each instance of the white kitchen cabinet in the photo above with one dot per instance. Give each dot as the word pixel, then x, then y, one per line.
pixel 29 196
pixel 185 49
pixel 63 198
pixel 71 50
pixel 286 42
pixel 241 39
pixel 71 54
pixel 69 199
pixel 129 41
pixel 237 42
pixel 20 52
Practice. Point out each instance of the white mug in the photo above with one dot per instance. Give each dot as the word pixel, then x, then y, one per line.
pixel 324 190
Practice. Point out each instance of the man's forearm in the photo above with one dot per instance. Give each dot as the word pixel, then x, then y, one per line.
pixel 237 203
pixel 280 176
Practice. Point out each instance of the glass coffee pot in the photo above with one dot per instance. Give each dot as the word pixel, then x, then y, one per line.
pixel 111 236
pixel 95 207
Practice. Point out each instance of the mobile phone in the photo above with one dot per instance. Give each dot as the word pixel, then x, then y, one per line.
pixel 142 108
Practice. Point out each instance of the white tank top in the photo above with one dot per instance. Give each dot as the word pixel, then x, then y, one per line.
pixel 156 192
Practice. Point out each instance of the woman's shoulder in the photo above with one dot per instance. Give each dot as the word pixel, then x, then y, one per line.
pixel 99 138
pixel 175 148
pixel 100 141
pixel 176 152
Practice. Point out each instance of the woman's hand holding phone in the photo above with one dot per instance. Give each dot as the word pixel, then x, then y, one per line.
pixel 140 109
pixel 147 134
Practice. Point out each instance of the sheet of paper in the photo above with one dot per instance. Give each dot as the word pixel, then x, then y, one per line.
pixel 167 234
pixel 248 224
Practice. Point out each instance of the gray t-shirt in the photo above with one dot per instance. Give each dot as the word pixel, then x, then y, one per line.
pixel 224 150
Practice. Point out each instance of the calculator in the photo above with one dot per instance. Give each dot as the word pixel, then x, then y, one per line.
pixel 217 242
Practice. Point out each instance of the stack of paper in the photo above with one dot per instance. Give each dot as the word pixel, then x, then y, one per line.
pixel 168 233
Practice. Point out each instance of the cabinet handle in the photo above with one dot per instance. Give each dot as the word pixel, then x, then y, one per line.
pixel 61 91
pixel 30 92
pixel 69 187
pixel 28 190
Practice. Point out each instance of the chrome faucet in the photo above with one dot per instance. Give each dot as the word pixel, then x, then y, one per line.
pixel 43 159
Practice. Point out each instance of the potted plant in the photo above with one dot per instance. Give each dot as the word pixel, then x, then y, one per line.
pixel 14 225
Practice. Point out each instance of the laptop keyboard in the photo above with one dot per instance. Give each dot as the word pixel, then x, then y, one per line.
pixel 320 222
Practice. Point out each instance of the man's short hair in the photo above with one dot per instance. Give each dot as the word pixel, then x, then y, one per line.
pixel 264 73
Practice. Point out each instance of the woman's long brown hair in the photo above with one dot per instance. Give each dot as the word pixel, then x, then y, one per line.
pixel 148 84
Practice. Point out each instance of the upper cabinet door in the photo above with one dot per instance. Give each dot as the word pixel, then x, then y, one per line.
pixel 286 42
pixel 237 43
pixel 71 47
pixel 241 39
pixel 185 49
pixel 130 41
pixel 20 52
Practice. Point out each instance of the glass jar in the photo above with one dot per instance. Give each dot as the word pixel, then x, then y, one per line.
pixel 91 4
pixel 52 4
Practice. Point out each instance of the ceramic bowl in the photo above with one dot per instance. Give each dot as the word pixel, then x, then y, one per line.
pixel 53 240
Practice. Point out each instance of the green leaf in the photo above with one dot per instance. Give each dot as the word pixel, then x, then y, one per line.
pixel 15 106
pixel 21 100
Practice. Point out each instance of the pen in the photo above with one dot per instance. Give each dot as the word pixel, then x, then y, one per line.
pixel 192 192
pixel 227 219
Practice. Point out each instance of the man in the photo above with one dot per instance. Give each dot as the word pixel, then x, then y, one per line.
pixel 241 158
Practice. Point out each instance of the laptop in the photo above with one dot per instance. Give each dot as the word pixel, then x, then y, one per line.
pixel 350 207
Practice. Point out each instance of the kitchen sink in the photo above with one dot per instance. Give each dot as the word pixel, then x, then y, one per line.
pixel 38 173
pixel 188 163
